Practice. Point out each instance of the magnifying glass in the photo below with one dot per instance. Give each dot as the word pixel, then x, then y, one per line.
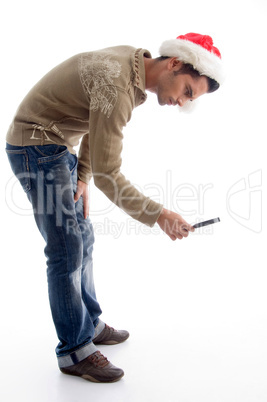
pixel 206 223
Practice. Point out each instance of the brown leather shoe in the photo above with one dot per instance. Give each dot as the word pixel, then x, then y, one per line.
pixel 110 336
pixel 95 368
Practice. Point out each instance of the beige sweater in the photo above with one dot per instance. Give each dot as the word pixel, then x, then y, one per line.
pixel 90 97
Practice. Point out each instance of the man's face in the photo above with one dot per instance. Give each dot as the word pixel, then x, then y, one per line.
pixel 178 89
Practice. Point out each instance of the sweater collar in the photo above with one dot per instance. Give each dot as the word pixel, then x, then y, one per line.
pixel 139 70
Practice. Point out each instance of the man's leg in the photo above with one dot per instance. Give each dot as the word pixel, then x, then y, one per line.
pixel 103 333
pixel 85 228
pixel 50 170
pixel 46 175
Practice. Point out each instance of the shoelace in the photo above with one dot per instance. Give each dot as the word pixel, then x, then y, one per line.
pixel 98 359
pixel 111 329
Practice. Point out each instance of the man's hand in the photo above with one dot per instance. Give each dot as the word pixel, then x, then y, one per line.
pixel 174 225
pixel 83 191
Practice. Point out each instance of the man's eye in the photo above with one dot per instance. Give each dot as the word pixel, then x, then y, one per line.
pixel 188 93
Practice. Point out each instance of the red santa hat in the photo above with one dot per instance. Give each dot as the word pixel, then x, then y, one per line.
pixel 197 50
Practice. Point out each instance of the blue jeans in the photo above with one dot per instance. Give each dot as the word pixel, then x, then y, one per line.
pixel 48 175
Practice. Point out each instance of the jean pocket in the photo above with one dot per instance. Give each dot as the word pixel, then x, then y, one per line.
pixel 50 150
pixel 51 154
pixel 19 163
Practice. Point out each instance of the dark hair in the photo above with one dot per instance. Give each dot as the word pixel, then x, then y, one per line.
pixel 189 69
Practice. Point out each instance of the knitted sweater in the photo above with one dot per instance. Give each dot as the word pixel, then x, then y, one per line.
pixel 88 99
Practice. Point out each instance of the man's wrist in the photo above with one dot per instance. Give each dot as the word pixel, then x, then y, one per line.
pixel 162 215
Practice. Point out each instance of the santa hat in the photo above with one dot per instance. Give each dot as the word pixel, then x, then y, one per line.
pixel 197 50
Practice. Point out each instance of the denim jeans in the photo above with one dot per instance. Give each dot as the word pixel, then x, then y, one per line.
pixel 48 175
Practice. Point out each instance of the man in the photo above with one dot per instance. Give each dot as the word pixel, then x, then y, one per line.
pixel 90 97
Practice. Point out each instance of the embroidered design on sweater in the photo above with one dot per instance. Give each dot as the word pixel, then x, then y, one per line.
pixel 43 133
pixel 97 72
pixel 42 129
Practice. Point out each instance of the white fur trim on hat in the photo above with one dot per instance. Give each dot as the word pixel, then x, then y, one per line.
pixel 205 62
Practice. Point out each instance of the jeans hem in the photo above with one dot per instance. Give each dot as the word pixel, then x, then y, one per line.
pixel 77 356
pixel 99 328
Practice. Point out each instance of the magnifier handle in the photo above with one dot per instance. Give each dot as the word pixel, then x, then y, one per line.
pixel 206 223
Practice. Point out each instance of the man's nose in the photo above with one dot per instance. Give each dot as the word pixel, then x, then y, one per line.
pixel 180 101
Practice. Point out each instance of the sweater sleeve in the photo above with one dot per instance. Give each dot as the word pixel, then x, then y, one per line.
pixel 105 146
pixel 84 165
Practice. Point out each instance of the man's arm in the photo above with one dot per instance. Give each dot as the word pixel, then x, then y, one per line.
pixel 84 175
pixel 105 147
pixel 84 165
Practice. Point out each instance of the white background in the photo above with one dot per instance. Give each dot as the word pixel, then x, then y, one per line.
pixel 196 308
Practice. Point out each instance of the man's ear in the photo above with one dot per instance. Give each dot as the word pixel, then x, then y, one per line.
pixel 174 64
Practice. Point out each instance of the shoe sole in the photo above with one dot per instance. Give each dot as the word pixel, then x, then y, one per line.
pixel 92 379
pixel 87 377
pixel 110 342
